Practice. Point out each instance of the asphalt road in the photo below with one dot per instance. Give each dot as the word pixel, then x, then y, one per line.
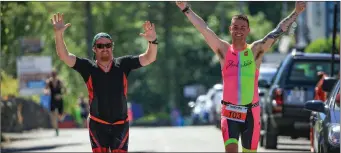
pixel 156 139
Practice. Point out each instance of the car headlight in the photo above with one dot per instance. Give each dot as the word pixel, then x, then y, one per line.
pixel 334 134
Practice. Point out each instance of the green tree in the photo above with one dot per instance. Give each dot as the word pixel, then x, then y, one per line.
pixel 183 56
pixel 273 10
pixel 9 85
pixel 323 45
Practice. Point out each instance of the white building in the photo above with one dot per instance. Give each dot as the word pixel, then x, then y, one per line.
pixel 317 22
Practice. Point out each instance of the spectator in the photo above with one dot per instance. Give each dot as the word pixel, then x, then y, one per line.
pixel 84 106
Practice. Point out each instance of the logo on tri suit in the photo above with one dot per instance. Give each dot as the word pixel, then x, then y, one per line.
pixel 245 53
pixel 236 107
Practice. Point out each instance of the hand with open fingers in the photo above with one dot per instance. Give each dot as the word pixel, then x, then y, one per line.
pixel 149 31
pixel 181 4
pixel 300 6
pixel 58 23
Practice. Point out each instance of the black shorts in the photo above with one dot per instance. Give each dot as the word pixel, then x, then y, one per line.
pixel 112 138
pixel 57 104
pixel 248 130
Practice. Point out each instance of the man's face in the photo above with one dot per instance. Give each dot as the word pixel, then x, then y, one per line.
pixel 103 49
pixel 239 29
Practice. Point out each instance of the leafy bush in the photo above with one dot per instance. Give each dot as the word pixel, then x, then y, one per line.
pixel 154 117
pixel 9 85
pixel 323 45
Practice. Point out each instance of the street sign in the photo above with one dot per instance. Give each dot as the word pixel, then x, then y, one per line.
pixel 32 72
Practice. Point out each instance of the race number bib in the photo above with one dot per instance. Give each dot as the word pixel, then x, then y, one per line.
pixel 235 113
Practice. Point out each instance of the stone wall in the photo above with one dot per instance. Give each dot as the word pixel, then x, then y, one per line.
pixel 19 115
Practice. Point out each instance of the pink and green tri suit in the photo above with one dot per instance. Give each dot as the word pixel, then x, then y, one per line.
pixel 240 111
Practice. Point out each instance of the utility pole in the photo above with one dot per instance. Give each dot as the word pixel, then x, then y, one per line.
pixel 284 9
pixel 169 79
pixel 89 29
pixel 241 6
pixel 334 37
pixel 223 21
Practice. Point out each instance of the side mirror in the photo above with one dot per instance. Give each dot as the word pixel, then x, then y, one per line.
pixel 315 105
pixel 328 84
pixel 261 94
pixel 263 84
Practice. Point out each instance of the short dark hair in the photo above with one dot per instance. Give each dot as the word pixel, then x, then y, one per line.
pixel 241 17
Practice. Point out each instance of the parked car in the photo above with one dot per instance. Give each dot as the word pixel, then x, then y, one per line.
pixel 292 85
pixel 322 89
pixel 217 97
pixel 326 122
pixel 199 113
pixel 212 101
pixel 266 73
pixel 207 104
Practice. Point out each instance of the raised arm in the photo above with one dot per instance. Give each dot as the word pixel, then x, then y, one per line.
pixel 46 90
pixel 59 28
pixel 149 56
pixel 266 43
pixel 216 44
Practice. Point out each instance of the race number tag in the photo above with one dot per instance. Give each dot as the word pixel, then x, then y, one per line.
pixel 235 113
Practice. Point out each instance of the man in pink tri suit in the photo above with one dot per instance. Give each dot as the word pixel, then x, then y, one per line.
pixel 240 64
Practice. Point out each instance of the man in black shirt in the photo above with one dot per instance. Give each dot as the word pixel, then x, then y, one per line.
pixel 106 80
pixel 55 88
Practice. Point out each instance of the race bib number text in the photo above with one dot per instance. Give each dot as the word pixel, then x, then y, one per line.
pixel 235 113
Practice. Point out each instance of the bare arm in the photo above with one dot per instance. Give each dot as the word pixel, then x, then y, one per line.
pixel 47 89
pixel 216 44
pixel 62 52
pixel 266 43
pixel 59 28
pixel 149 56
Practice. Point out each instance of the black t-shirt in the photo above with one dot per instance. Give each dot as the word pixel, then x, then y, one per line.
pixel 55 90
pixel 107 90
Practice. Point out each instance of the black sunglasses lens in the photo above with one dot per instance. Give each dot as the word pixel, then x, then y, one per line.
pixel 100 46
pixel 109 45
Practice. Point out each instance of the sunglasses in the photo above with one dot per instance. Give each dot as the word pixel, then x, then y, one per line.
pixel 108 45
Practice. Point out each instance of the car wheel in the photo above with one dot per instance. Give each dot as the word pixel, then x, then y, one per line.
pixel 195 121
pixel 270 136
pixel 320 148
pixel 261 141
pixel 261 138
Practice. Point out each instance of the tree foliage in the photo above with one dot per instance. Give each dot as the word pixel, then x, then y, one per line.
pixel 323 45
pixel 183 56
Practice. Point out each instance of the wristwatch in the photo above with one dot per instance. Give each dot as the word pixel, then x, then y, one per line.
pixel 154 41
pixel 186 9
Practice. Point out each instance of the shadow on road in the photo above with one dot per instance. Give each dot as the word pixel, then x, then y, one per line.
pixel 46 147
pixel 292 144
pixel 294 149
pixel 144 151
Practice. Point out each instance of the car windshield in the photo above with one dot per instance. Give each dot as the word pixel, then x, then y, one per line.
pixel 305 71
